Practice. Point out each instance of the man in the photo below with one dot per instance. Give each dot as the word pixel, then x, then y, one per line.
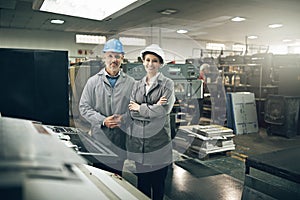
pixel 104 100
pixel 204 69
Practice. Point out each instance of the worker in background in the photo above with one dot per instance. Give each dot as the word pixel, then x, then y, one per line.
pixel 104 101
pixel 198 113
pixel 149 143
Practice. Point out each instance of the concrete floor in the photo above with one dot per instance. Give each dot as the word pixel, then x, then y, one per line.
pixel 221 176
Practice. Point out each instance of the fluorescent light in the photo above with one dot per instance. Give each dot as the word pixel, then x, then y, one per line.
pixel 296 50
pixel 295 44
pixel 238 19
pixel 91 9
pixel 181 31
pixel 90 39
pixel 275 25
pixel 238 47
pixel 278 49
pixel 286 40
pixel 252 37
pixel 130 41
pixel 57 21
pixel 215 46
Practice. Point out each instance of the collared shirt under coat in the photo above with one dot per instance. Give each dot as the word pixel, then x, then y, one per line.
pixel 149 139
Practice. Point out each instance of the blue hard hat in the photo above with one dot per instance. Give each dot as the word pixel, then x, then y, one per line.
pixel 113 45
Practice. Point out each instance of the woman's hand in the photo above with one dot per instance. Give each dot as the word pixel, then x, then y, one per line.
pixel 134 106
pixel 163 100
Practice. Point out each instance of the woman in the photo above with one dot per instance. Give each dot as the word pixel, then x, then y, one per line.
pixel 149 143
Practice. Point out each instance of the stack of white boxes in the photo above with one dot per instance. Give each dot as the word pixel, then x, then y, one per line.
pixel 210 138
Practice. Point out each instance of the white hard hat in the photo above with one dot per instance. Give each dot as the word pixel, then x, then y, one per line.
pixel 154 48
pixel 204 66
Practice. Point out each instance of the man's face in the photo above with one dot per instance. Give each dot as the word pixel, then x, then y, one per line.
pixel 113 62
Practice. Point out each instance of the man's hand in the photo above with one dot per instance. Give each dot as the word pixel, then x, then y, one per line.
pixel 113 121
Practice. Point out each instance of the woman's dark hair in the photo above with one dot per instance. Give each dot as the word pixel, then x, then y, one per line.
pixel 150 52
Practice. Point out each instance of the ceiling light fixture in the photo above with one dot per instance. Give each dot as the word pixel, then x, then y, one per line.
pixel 181 31
pixel 130 41
pixel 91 9
pixel 57 21
pixel 215 46
pixel 286 40
pixel 275 25
pixel 168 11
pixel 252 37
pixel 238 19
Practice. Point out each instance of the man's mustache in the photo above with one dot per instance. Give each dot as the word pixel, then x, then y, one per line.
pixel 116 63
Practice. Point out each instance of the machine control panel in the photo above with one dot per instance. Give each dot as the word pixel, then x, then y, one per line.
pixel 172 71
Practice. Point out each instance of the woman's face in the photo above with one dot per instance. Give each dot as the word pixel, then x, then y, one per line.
pixel 151 64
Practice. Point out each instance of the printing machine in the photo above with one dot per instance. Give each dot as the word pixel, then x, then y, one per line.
pixel 185 77
pixel 36 164
pixel 93 151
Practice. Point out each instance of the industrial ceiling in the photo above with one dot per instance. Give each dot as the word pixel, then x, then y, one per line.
pixel 207 20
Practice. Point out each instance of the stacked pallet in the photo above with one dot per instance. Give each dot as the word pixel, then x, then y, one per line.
pixel 209 139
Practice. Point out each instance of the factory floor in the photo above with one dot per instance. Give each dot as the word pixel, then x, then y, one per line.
pixel 219 176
